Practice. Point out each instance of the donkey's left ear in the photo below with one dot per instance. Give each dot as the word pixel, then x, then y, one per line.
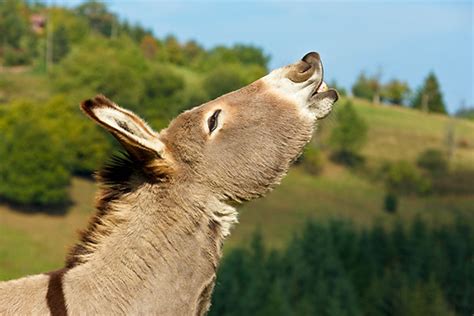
pixel 130 130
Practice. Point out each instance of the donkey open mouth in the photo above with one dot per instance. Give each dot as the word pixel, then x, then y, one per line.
pixel 305 85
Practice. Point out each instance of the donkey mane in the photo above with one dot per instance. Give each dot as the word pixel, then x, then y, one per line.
pixel 114 181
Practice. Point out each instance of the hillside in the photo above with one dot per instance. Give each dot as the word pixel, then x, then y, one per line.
pixel 394 133
pixel 402 133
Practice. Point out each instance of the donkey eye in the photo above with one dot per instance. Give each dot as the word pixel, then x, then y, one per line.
pixel 212 121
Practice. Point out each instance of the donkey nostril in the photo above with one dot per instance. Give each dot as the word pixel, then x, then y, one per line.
pixel 311 58
pixel 305 67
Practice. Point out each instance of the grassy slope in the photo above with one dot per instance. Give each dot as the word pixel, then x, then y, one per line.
pixel 397 133
pixel 34 243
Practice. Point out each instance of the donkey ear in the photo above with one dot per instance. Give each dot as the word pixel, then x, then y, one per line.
pixel 130 130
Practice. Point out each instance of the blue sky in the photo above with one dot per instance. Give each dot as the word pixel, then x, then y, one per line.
pixel 399 39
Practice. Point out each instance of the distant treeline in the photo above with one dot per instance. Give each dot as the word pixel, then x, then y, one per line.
pixel 337 269
pixel 428 97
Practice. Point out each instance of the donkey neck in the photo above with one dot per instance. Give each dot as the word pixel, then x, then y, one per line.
pixel 161 257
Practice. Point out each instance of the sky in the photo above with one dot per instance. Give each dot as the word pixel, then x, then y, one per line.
pixel 397 39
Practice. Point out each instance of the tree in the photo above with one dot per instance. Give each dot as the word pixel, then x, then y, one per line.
pixel 99 18
pixel 173 49
pixel 368 88
pixel 13 24
pixel 390 202
pixel 429 97
pixel 60 43
pixel 434 161
pixel 338 269
pixel 251 55
pixel 192 51
pixel 404 178
pixel 316 281
pixel 137 33
pixel 34 162
pixel 349 135
pixel 15 34
pixel 239 54
pixel 427 299
pixel 163 96
pixel 87 146
pixel 114 68
pixel 223 79
pixel 149 46
pixel 395 92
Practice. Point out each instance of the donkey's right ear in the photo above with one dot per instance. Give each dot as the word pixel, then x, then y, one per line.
pixel 130 130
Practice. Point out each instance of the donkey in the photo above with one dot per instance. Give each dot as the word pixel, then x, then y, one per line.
pixel 163 210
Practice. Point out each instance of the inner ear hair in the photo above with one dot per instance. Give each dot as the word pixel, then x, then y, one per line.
pixel 130 130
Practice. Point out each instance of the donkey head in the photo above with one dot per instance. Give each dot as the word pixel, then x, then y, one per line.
pixel 237 146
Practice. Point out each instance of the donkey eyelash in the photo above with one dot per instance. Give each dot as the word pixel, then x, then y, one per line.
pixel 212 121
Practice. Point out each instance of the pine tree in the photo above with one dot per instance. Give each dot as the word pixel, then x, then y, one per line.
pixel 429 97
pixel 317 280
pixel 233 279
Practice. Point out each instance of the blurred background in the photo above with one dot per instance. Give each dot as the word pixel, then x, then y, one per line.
pixel 375 218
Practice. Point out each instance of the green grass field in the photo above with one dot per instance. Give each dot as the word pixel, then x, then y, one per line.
pixel 31 243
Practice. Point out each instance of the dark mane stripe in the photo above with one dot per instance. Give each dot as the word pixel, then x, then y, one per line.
pixel 55 295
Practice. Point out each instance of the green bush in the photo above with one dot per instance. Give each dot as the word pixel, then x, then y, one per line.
pixel 312 160
pixel 434 161
pixel 15 57
pixel 390 202
pixel 404 178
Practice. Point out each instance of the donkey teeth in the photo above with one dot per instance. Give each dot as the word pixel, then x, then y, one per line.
pixel 323 87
